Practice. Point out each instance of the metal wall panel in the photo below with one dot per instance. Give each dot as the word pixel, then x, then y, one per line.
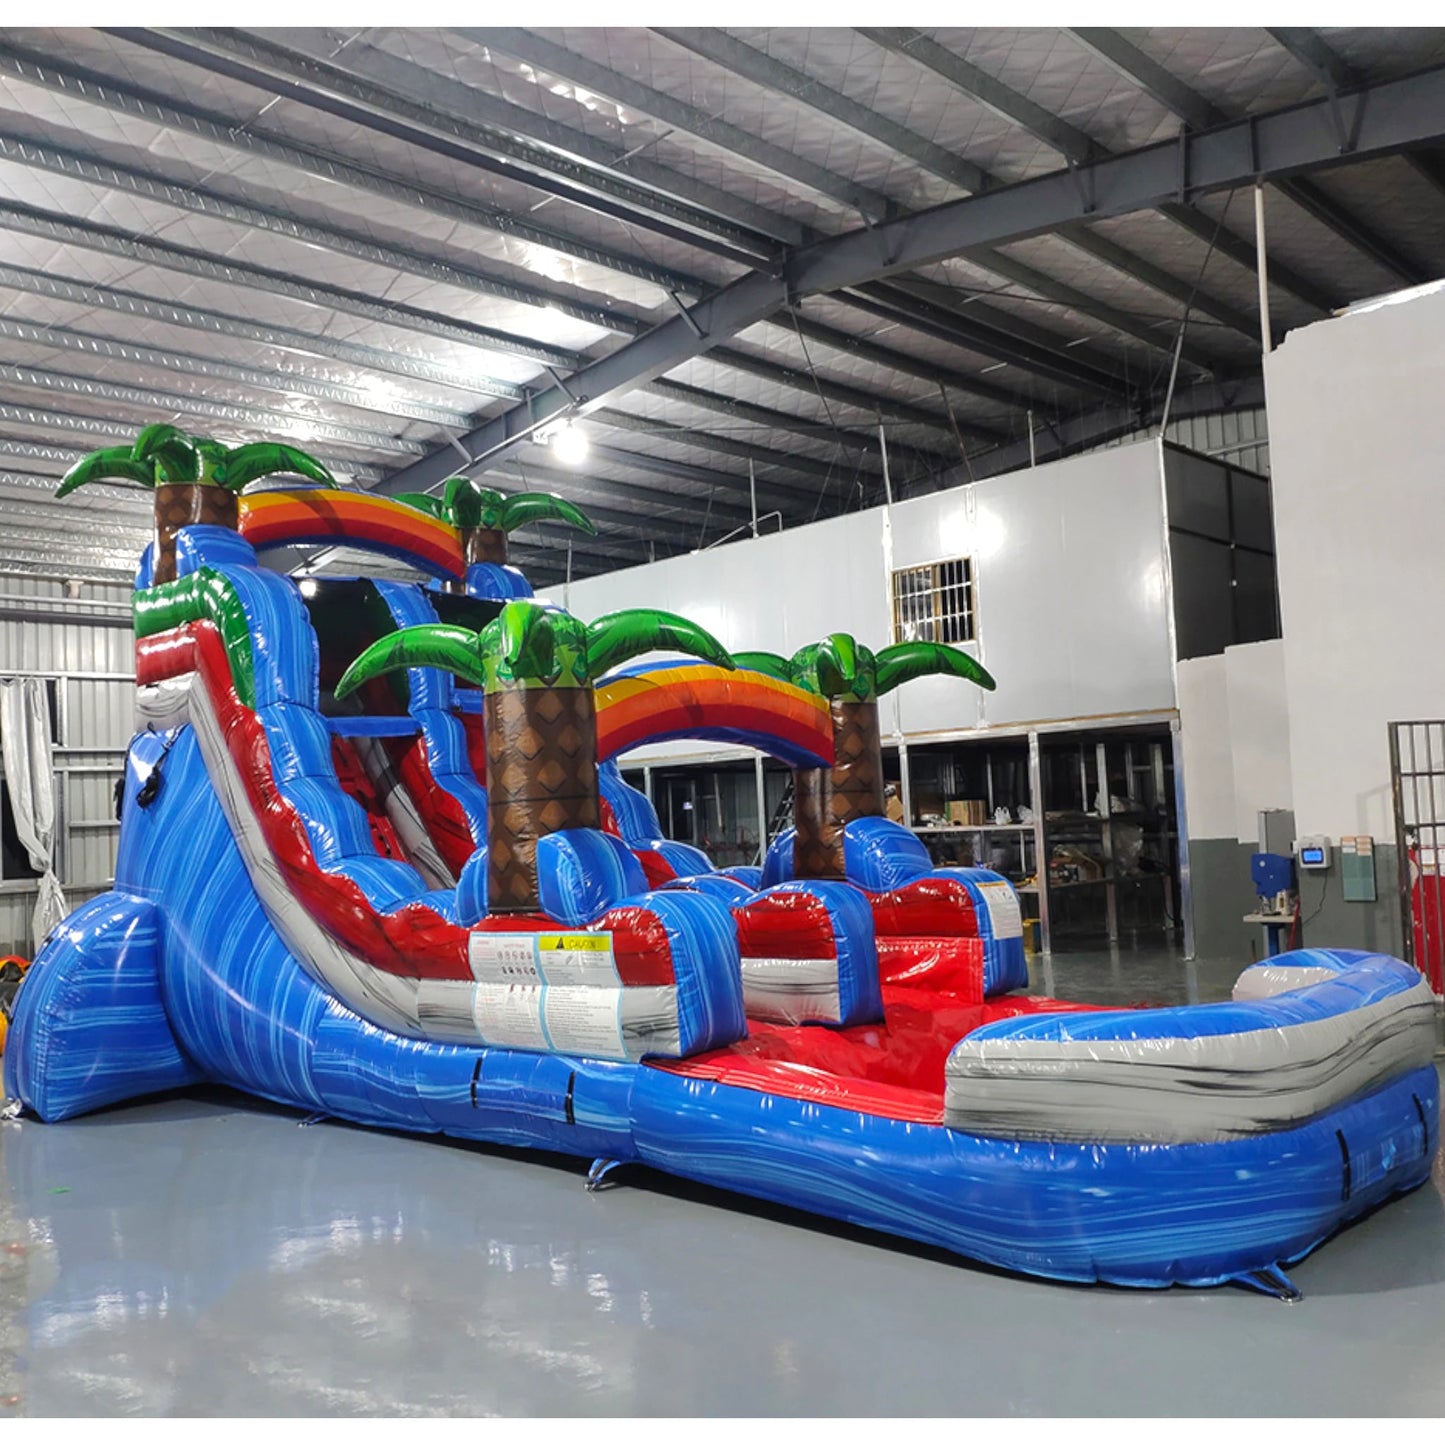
pixel 1240 438
pixel 773 592
pixel 91 659
pixel 1071 591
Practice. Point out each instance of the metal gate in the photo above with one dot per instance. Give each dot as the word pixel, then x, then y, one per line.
pixel 1417 780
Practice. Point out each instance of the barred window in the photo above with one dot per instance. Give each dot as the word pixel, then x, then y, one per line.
pixel 934 603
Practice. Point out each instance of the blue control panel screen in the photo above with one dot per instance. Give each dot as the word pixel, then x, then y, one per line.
pixel 1312 857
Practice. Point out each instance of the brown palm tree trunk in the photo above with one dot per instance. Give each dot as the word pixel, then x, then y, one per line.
pixel 480 544
pixel 186 504
pixel 826 801
pixel 541 778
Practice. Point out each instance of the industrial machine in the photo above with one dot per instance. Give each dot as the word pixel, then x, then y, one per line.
pixel 1272 870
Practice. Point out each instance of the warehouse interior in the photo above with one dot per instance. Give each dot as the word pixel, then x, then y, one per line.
pixel 1110 356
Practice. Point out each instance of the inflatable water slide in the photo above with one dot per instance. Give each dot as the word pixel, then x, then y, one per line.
pixel 377 863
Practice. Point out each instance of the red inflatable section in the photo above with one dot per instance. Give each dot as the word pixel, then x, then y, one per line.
pixel 441 814
pixel 640 947
pixel 356 783
pixel 927 935
pixel 894 1068
pixel 414 940
pixel 785 925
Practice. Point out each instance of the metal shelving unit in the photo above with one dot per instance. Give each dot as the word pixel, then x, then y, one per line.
pixel 1067 770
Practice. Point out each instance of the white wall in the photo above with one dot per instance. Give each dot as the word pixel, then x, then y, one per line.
pixel 1359 496
pixel 1234 733
pixel 1258 734
pixel 1205 742
pixel 1071 590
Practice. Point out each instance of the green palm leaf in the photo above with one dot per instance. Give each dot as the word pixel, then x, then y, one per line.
pixel 528 641
pixel 431 644
pixel 245 464
pixel 516 511
pixel 422 502
pixel 109 464
pixel 169 452
pixel 836 667
pixel 622 635
pixel 771 663
pixel 909 660
pixel 467 504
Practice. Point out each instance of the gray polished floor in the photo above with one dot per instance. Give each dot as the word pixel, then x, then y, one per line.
pixel 207 1255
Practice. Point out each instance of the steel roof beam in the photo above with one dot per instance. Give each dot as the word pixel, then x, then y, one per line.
pixel 874 403
pixel 252 62
pixel 923 369
pixel 57 459
pixel 729 484
pixel 530 138
pixel 754 65
pixel 1393 114
pixel 197 200
pixel 113 241
pixel 102 91
pixel 542 53
pixel 728 446
pixel 318 164
pixel 863 443
pixel 935 320
pixel 539 52
pixel 727 494
pixel 1199 113
pixel 656 500
pixel 1078 148
pixel 759 68
pixel 241 417
pixel 240 328
pixel 99 90
pixel 1336 75
pixel 1106 424
pixel 87 343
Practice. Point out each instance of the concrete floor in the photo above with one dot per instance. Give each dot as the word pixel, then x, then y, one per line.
pixel 206 1255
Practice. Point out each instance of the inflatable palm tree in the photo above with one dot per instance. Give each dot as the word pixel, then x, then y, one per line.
pixel 852 678
pixel 194 479
pixel 537 666
pixel 484 517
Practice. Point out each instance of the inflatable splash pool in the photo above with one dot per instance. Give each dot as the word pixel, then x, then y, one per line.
pixel 375 864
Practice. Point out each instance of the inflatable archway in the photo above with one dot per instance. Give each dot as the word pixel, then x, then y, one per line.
pixel 318 515
pixel 657 704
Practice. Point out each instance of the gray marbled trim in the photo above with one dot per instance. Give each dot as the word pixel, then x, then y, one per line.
pixel 1265 980
pixel 792 990
pixel 163 705
pixel 411 832
pixel 385 999
pixel 1183 1090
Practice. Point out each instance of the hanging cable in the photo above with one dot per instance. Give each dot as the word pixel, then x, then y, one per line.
pixel 1184 320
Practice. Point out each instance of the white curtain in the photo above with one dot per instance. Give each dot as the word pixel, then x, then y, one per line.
pixel 30 777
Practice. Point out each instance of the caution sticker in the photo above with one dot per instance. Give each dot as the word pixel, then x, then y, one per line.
pixel 1003 909
pixel 558 958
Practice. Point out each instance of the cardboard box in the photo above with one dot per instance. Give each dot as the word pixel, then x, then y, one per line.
pixel 971 811
pixel 893 807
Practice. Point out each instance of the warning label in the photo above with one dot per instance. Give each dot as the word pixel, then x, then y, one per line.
pixel 510 1015
pixel 584 1021
pixel 561 958
pixel 556 992
pixel 1003 909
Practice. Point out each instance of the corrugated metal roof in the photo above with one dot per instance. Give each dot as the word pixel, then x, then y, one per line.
pixel 371 240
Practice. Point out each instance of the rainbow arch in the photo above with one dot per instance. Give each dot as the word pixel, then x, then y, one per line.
pixel 698 700
pixel 317 515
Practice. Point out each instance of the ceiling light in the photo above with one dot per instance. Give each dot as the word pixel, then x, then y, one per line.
pixel 308 586
pixel 570 444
